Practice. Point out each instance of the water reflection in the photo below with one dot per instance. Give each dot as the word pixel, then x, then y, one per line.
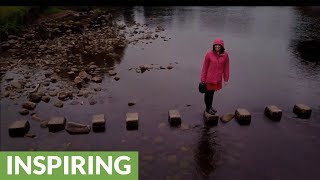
pixel 163 15
pixel 206 154
pixel 305 40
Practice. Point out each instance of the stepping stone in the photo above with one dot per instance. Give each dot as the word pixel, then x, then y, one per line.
pixel 19 128
pixel 98 123
pixel 132 121
pixel 174 117
pixel 273 112
pixel 302 111
pixel 56 124
pixel 243 116
pixel 210 119
pixel 77 128
pixel 29 105
pixel 227 117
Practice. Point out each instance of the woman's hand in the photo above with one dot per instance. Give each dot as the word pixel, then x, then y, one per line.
pixel 225 83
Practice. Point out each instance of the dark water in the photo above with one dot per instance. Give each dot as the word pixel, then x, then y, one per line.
pixel 274 60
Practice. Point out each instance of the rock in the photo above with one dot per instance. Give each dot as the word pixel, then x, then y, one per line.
pixel 16 84
pixel 174 117
pixel 35 97
pixel 161 67
pixel 210 119
pixel 45 98
pixel 48 74
pixel 92 101
pixel 24 111
pixel 30 135
pixel 53 93
pixel 58 104
pixel 98 123
pixel 44 124
pixel 74 103
pixel 77 128
pixel 302 111
pixel 97 88
pixel 46 83
pixel 132 121
pixel 172 159
pixel 63 96
pixel 19 128
pixel 29 105
pixel 27 76
pixel 35 117
pixel 131 103
pixel 83 75
pixel 243 116
pixel 116 78
pixel 185 127
pixel 227 117
pixel 54 79
pixel 112 73
pixel 97 79
pixel 56 124
pixel 169 67
pixel 78 80
pixel 273 112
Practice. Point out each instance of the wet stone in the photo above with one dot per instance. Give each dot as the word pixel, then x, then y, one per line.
pixel 46 83
pixel 29 105
pixel 98 123
pixel 24 111
pixel 62 96
pixel 35 97
pixel 58 104
pixel 227 117
pixel 210 119
pixel 243 116
pixel 53 93
pixel 74 102
pixel 97 79
pixel 131 103
pixel 116 78
pixel 112 73
pixel 77 80
pixel 83 75
pixel 169 67
pixel 302 111
pixel 92 101
pixel 132 121
pixel 56 124
pixel 77 128
pixel 19 128
pixel 45 98
pixel 174 117
pixel 273 112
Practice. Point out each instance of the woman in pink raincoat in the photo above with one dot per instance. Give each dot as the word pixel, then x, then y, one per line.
pixel 215 68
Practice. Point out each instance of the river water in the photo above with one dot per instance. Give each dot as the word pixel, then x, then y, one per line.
pixel 273 60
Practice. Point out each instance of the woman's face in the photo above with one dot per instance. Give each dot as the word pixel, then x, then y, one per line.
pixel 217 47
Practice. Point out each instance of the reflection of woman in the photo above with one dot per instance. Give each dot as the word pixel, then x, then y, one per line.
pixel 214 68
pixel 206 154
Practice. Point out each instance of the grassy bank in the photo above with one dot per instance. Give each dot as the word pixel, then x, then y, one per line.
pixel 13 18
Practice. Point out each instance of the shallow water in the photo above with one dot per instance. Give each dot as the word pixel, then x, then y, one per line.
pixel 274 60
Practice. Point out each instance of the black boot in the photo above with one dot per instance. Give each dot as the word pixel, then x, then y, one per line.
pixel 210 111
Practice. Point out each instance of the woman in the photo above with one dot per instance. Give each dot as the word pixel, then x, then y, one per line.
pixel 214 68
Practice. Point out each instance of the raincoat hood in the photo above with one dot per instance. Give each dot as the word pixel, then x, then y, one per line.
pixel 219 41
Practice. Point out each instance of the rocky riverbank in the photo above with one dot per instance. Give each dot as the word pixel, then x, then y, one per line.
pixel 68 56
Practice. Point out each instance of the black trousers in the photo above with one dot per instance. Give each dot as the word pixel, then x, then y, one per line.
pixel 208 99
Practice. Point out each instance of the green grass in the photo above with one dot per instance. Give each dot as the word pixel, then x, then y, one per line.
pixel 12 18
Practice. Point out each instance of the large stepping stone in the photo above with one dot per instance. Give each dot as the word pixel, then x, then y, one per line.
pixel 273 112
pixel 77 128
pixel 98 123
pixel 56 124
pixel 302 111
pixel 132 121
pixel 210 119
pixel 174 117
pixel 243 116
pixel 19 128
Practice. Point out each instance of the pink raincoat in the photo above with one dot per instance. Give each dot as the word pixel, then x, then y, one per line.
pixel 215 67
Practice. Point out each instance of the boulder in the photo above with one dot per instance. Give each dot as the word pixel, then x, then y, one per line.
pixel 98 123
pixel 97 79
pixel 83 75
pixel 227 117
pixel 273 112
pixel 19 128
pixel 29 105
pixel 243 116
pixel 58 104
pixel 174 117
pixel 132 121
pixel 302 111
pixel 56 124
